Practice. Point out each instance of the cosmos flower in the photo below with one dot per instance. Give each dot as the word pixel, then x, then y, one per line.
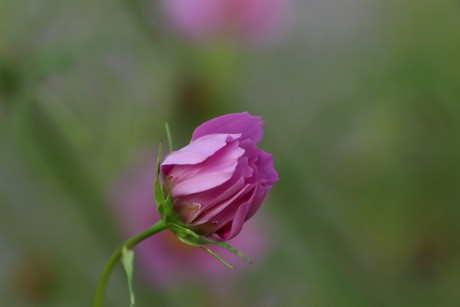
pixel 162 260
pixel 221 178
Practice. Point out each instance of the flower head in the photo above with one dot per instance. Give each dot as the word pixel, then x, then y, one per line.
pixel 221 178
pixel 164 261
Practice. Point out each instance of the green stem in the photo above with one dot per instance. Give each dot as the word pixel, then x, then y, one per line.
pixel 101 285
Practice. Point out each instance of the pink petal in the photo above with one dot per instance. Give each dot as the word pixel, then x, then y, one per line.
pixel 261 191
pixel 231 221
pixel 216 170
pixel 249 126
pixel 265 167
pixel 197 151
pixel 224 191
pixel 231 230
pixel 261 161
pixel 231 202
pixel 201 182
pixel 216 195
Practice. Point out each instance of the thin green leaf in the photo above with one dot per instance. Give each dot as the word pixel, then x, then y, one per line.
pixel 182 231
pixel 185 233
pixel 158 191
pixel 168 135
pixel 186 241
pixel 189 237
pixel 232 249
pixel 127 259
pixel 216 256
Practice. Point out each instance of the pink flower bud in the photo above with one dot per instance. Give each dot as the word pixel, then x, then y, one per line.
pixel 221 178
pixel 163 260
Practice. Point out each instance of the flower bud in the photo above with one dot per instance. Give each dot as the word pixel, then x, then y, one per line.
pixel 221 178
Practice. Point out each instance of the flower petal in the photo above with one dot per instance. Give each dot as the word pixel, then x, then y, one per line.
pixel 265 167
pixel 234 227
pixel 261 191
pixel 249 126
pixel 224 191
pixel 197 151
pixel 229 203
pixel 211 173
pixel 232 219
pixel 200 182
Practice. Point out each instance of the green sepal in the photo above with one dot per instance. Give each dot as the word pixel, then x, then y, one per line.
pixel 127 259
pixel 163 204
pixel 189 237
pixel 169 137
pixel 186 241
pixel 158 191
pixel 227 247
pixel 231 249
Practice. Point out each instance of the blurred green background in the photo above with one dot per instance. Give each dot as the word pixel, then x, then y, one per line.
pixel 361 102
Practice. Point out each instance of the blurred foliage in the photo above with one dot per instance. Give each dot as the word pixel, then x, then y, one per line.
pixel 362 116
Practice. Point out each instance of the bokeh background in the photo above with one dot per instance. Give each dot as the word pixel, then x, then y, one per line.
pixel 361 102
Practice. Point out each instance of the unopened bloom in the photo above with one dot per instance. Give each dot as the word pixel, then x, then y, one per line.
pixel 221 178
pixel 243 20
pixel 163 260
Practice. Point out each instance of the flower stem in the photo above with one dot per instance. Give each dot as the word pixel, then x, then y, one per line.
pixel 101 285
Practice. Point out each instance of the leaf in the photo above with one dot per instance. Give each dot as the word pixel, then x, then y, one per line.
pixel 232 249
pixel 158 191
pixel 189 242
pixel 127 259
pixel 189 237
pixel 181 231
pixel 168 135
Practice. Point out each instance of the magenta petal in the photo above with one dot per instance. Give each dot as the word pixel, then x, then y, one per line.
pixel 200 183
pixel 217 195
pixel 249 126
pixel 224 191
pixel 214 171
pixel 197 151
pixel 236 224
pixel 261 191
pixel 265 167
pixel 214 211
pixel 232 219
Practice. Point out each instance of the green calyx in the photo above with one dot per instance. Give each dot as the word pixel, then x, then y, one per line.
pixel 173 222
